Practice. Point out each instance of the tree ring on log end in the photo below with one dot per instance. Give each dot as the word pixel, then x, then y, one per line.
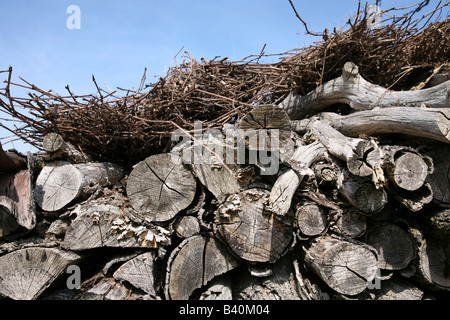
pixel 254 233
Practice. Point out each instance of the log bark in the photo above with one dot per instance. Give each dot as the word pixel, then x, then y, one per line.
pixel 195 262
pixel 16 202
pixel 439 179
pixel 252 231
pixel 158 188
pixel 433 263
pixel 57 148
pixel 11 161
pixel 413 200
pixel 61 183
pixel 352 89
pixel 284 188
pixel 395 246
pixel 26 273
pixel 417 122
pixel 106 226
pixel 344 266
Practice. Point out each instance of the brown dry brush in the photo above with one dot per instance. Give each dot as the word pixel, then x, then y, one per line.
pixel 125 126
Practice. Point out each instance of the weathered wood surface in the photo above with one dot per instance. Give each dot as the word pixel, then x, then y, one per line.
pixel 107 226
pixel 61 183
pixel 251 230
pixel 57 148
pixel 267 127
pixel 26 273
pixel 426 123
pixel 343 265
pixel 158 188
pixel 395 246
pixel 433 263
pixel 406 169
pixel 195 262
pixel 16 202
pixel 311 219
pixel 140 272
pixel 11 161
pixel 439 179
pixel 352 89
pixel 284 188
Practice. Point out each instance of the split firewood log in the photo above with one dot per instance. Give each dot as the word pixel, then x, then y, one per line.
pixel 159 187
pixel 60 183
pixel 107 226
pixel 26 273
pixel 186 226
pixel 352 89
pixel 344 266
pixel 348 222
pixel 194 263
pixel 251 230
pixel 140 272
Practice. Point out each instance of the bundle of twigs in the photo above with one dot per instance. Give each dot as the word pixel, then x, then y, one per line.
pixel 129 127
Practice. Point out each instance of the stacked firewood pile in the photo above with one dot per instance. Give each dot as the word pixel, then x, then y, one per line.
pixel 264 181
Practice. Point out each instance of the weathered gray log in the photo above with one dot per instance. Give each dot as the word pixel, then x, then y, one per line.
pixel 326 173
pixel 186 226
pixel 220 288
pixel 26 273
pixel 106 226
pixel 417 122
pixel 405 167
pixel 258 124
pixel 195 262
pixel 251 230
pixel 140 272
pixel 433 263
pixel 311 219
pixel 284 188
pixel 397 289
pixel 362 193
pixel 61 183
pixel 362 156
pixel 158 188
pixel 439 179
pixel 11 161
pixel 57 148
pixel 395 246
pixel 348 222
pixel 344 266
pixel 217 168
pixel 16 202
pixel 350 88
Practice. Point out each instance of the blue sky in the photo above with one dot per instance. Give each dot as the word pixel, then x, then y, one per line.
pixel 118 39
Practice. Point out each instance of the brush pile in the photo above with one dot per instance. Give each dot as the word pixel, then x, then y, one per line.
pixel 324 175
